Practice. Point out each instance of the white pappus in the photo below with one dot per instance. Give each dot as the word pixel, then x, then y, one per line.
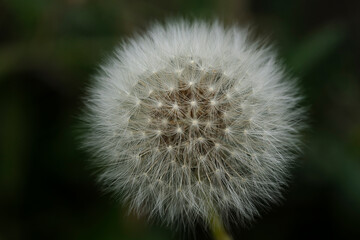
pixel 192 119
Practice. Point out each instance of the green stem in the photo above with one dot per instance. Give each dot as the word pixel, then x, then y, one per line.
pixel 218 229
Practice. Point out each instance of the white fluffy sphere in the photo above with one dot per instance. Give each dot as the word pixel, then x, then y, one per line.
pixel 190 120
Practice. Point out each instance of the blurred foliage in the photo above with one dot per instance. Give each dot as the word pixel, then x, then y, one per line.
pixel 48 52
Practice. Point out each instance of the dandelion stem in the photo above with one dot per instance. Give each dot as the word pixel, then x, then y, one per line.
pixel 217 228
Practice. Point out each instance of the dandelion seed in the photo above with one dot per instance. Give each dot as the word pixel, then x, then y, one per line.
pixel 169 148
pixel 175 106
pixel 194 122
pixel 213 102
pixel 159 104
pixel 137 102
pixel 162 109
pixel 227 130
pixel 228 95
pixel 193 103
pixel 164 121
pixel 179 130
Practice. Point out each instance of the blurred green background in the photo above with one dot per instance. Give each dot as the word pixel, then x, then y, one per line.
pixel 48 53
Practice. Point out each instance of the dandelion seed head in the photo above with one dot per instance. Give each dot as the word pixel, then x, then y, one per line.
pixel 192 119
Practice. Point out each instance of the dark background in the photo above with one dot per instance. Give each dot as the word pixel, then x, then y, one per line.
pixel 48 53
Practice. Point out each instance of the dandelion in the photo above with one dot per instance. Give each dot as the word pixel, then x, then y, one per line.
pixel 192 121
